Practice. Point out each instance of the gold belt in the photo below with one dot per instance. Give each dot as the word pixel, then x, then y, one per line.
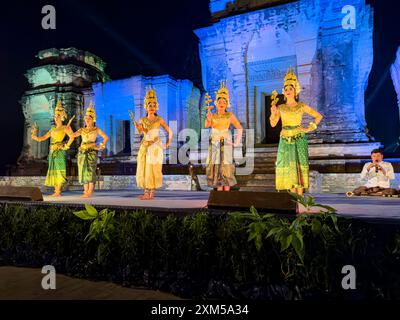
pixel 147 143
pixel 57 146
pixel 87 146
pixel 291 132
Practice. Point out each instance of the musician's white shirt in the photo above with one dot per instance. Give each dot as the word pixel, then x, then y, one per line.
pixel 378 179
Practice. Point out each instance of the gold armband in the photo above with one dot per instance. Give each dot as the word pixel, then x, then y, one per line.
pixel 312 126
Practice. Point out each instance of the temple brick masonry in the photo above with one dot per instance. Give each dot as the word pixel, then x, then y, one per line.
pixel 253 50
pixel 66 75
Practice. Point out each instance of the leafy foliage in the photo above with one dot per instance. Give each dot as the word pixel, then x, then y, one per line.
pixel 101 228
pixel 246 255
pixel 308 202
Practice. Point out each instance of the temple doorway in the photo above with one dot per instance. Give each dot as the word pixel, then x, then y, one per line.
pixel 271 133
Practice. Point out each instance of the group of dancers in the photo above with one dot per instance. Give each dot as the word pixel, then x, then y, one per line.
pixel 87 155
pixel 292 166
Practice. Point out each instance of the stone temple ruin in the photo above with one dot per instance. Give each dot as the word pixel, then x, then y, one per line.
pixel 250 44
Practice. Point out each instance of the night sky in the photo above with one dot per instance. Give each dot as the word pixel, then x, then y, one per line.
pixel 150 38
pixel 381 110
pixel 132 37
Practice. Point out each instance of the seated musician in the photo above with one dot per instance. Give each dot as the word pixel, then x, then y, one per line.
pixel 378 174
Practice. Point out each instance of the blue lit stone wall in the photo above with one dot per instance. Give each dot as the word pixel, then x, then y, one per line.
pixel 395 75
pixel 178 101
pixel 253 50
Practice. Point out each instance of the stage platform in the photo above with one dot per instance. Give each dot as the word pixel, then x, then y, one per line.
pixel 191 201
pixel 184 201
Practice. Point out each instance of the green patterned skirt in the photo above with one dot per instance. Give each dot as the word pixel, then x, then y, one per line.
pixel 87 164
pixel 56 173
pixel 292 165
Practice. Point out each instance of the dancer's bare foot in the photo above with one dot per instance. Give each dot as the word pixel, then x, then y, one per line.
pixel 144 196
pixel 87 195
pixel 55 194
pixel 151 197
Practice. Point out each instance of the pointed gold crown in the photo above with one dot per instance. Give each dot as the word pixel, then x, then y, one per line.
pixel 90 111
pixel 151 96
pixel 60 111
pixel 291 80
pixel 223 92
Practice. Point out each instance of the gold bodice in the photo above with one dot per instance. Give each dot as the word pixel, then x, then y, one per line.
pixel 57 134
pixel 89 135
pixel 220 126
pixel 221 121
pixel 151 128
pixel 292 117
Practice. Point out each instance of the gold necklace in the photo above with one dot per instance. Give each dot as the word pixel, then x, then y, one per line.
pixel 88 130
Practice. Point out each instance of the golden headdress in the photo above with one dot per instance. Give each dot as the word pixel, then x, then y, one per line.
pixel 291 80
pixel 60 111
pixel 223 92
pixel 90 111
pixel 151 96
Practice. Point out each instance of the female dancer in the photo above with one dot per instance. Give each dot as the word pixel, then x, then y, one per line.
pixel 292 166
pixel 88 151
pixel 150 155
pixel 56 174
pixel 220 170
